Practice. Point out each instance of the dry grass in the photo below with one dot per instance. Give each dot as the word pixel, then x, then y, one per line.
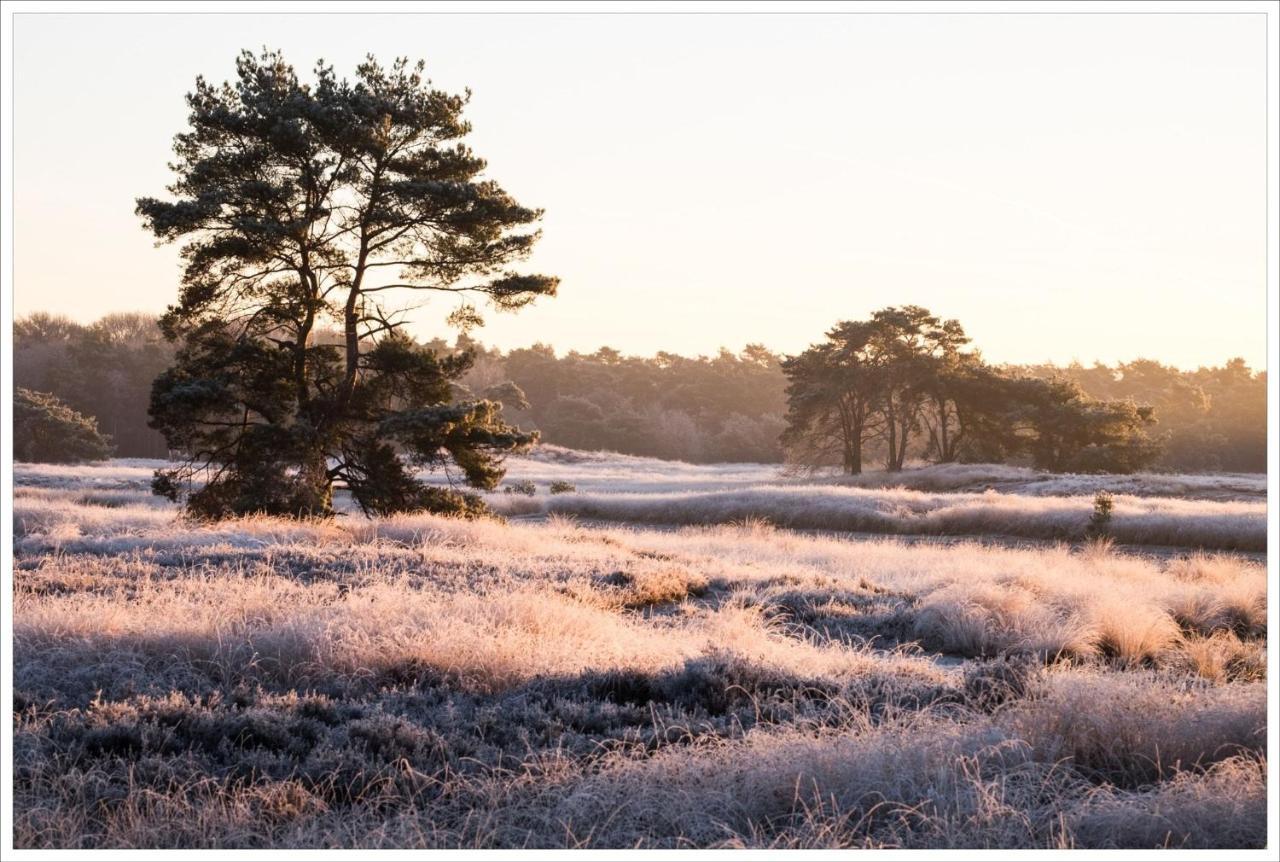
pixel 609 472
pixel 1222 657
pixel 1234 525
pixel 1212 511
pixel 425 682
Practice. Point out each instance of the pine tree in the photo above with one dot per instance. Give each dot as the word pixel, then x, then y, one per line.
pixel 306 207
pixel 46 430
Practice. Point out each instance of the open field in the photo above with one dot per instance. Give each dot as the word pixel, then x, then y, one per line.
pixel 1211 512
pixel 1220 511
pixel 421 681
pixel 610 472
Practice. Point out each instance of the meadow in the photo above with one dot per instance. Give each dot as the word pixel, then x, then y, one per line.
pixel 1213 511
pixel 667 655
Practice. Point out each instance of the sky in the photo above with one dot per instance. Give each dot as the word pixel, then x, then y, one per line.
pixel 1070 187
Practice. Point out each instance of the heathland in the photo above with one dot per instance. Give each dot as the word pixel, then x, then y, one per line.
pixel 656 655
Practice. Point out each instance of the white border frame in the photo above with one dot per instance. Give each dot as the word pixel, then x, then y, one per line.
pixel 8 10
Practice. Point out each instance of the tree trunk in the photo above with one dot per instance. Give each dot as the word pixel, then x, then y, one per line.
pixel 314 474
pixel 352 333
pixel 891 429
pixel 855 456
pixel 904 430
pixel 851 431
pixel 944 439
pixel 351 323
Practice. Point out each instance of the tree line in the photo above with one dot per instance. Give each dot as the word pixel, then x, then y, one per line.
pixel 905 384
pixel 734 406
pixel 905 377
pixel 103 370
pixel 308 210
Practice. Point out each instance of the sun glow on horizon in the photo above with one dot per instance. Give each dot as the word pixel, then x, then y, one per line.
pixel 1086 187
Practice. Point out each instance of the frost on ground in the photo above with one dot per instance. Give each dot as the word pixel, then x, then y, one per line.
pixel 609 472
pixel 1211 511
pixel 426 682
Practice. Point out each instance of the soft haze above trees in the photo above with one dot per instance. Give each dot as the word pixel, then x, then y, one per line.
pixel 727 407
pixel 303 206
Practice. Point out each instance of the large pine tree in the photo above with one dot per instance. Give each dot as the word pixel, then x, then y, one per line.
pixel 303 208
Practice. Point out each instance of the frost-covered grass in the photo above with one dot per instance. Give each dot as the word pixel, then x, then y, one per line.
pixel 1234 525
pixel 1205 513
pixel 426 682
pixel 1211 511
pixel 607 472
pixel 116 474
pixel 1023 480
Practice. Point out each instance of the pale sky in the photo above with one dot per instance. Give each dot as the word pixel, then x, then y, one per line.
pixel 1068 186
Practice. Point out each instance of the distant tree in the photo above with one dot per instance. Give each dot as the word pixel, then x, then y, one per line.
pixel 731 406
pixel 538 372
pixel 833 390
pixel 110 368
pixel 304 206
pixel 508 395
pixel 747 438
pixel 1209 419
pixel 885 376
pixel 1238 414
pixel 47 430
pixel 1065 430
pixel 903 376
pixel 911 347
pixel 41 343
pixel 675 435
pixel 576 422
pixel 1180 403
pixel 984 401
pixel 950 375
pixel 899 342
pixel 42 327
pixel 103 370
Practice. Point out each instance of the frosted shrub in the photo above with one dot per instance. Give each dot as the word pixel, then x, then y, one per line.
pixel 522 486
pixel 1100 520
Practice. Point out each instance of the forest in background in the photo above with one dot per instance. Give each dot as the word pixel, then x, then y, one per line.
pixel 727 407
